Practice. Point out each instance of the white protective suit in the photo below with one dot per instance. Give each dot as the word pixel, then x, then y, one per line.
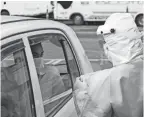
pixel 115 92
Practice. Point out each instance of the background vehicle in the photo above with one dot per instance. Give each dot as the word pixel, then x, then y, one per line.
pixel 136 9
pixel 139 18
pixel 20 82
pixel 77 11
pixel 27 8
pixel 83 11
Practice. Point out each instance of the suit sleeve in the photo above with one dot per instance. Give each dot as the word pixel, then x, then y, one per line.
pixel 98 103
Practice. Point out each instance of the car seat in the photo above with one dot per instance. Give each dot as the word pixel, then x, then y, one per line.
pixel 51 83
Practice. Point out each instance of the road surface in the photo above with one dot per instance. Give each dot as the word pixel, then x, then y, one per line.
pixel 90 42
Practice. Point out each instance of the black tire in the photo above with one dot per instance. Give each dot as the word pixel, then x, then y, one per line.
pixel 5 12
pixel 78 19
pixel 139 20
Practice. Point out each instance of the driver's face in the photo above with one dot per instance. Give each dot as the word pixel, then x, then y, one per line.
pixel 37 51
pixel 38 54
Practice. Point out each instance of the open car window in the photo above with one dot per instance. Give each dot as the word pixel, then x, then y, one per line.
pixel 54 62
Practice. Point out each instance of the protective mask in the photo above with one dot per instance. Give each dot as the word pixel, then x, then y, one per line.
pixel 114 55
pixel 106 51
pixel 39 63
pixel 122 48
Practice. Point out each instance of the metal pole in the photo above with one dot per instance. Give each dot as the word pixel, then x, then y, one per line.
pixel 127 10
pixel 47 13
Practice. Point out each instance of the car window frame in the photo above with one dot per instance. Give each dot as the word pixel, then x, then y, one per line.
pixel 11 47
pixel 14 44
pixel 52 29
pixel 55 31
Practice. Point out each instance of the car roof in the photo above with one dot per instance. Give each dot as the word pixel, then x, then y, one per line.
pixel 11 25
pixel 10 19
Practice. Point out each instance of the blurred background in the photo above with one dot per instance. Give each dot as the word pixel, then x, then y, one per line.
pixel 83 16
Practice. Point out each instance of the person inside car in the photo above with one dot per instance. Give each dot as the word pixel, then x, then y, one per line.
pixel 51 83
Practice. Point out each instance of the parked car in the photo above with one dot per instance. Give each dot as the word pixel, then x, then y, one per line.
pixel 23 92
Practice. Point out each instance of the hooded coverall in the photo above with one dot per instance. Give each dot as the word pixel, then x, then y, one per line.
pixel 115 92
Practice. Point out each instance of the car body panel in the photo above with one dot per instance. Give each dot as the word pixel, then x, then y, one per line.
pixel 29 8
pixel 14 28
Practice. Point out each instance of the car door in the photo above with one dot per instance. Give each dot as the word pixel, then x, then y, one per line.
pixel 17 99
pixel 57 68
pixel 35 7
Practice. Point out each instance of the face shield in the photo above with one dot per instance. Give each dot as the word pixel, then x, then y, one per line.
pixel 103 33
pixel 122 38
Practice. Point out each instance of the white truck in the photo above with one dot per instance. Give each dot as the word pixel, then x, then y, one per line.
pixel 26 8
pixel 84 11
pixel 77 11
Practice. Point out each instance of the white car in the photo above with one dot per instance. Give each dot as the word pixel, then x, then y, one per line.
pixel 25 92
